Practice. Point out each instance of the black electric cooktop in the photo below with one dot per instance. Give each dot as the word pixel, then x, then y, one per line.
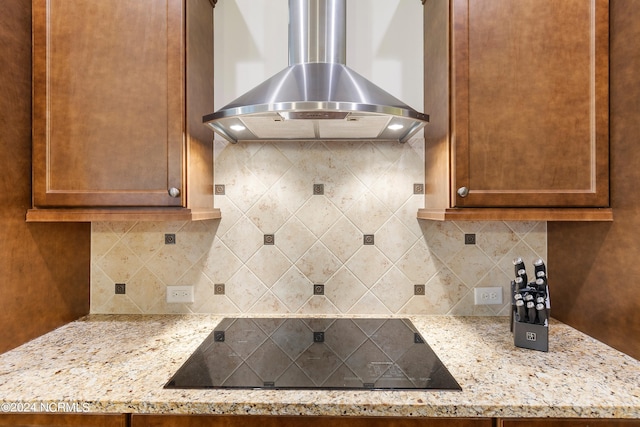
pixel 305 353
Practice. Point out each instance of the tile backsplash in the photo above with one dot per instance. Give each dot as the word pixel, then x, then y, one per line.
pixel 301 214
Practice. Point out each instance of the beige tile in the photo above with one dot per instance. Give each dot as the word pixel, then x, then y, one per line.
pixel 293 289
pixel 269 264
pixel 145 289
pixel 394 239
pixel 368 213
pixel 419 264
pixel 497 277
pixel 268 164
pixel 344 289
pixel 318 304
pixel 318 263
pixel 394 289
pixel 102 288
pixel 269 304
pixel 196 237
pixel 230 214
pixel 536 239
pixel 466 307
pixel 169 264
pixel 521 228
pixel 369 305
pixel 295 188
pixel 120 263
pixel 294 239
pixel 218 304
pixel 318 214
pixel 443 292
pixel 368 265
pixel 443 238
pixel 365 160
pixel 344 189
pixel 244 289
pixel 243 188
pixel 220 263
pixel 119 304
pixel 408 213
pixel 102 239
pixel 470 265
pixel 268 214
pixel 243 239
pixel 496 239
pixel 343 239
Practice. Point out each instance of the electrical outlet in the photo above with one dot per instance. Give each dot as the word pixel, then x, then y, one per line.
pixel 484 296
pixel 180 294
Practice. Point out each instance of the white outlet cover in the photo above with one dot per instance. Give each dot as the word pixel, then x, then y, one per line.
pixel 487 296
pixel 180 294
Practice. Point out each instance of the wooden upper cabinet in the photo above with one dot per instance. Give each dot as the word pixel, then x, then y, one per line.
pixel 119 91
pixel 517 92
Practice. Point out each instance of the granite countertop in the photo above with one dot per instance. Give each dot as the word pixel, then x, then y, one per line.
pixel 120 363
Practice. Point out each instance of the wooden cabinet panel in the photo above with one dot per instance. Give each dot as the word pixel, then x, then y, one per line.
pixel 64 420
pixel 518 98
pixel 120 89
pixel 108 86
pixel 573 422
pixel 302 421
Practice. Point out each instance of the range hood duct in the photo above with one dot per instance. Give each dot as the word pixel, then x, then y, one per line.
pixel 317 96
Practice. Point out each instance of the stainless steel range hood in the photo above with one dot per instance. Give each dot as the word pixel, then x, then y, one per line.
pixel 317 96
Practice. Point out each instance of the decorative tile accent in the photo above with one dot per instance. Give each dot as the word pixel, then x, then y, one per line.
pixel 369 187
pixel 318 289
pixel 170 239
pixel 318 189
pixel 470 239
pixel 368 239
pixel 269 239
pixel 121 288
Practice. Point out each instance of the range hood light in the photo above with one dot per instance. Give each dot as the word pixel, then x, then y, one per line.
pixel 237 128
pixel 396 126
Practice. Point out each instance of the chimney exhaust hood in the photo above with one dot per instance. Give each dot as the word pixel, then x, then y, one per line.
pixel 317 96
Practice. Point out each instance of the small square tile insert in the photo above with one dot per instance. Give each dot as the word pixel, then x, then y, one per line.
pixel 318 289
pixel 368 239
pixel 218 289
pixel 418 189
pixel 219 189
pixel 318 189
pixel 170 239
pixel 418 289
pixel 121 288
pixel 269 239
pixel 470 239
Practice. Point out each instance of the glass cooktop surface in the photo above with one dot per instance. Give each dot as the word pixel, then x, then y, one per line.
pixel 314 353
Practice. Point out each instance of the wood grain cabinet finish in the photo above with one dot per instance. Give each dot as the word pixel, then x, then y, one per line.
pixel 64 420
pixel 120 89
pixel 517 92
pixel 573 422
pixel 301 421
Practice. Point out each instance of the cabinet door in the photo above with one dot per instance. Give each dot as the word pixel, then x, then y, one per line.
pixel 64 420
pixel 108 114
pixel 299 421
pixel 530 103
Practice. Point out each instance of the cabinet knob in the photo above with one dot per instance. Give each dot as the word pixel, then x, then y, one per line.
pixel 463 192
pixel 174 192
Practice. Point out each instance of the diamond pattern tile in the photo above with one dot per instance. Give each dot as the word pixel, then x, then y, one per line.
pixel 318 239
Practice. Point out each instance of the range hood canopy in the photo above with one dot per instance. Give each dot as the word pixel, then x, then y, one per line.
pixel 317 96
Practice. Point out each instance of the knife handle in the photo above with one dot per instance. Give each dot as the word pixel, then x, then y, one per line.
pixel 542 313
pixel 518 265
pixel 523 273
pixel 538 265
pixel 531 311
pixel 520 311
pixel 520 283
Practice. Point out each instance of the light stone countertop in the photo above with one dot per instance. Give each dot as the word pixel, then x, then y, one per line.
pixel 120 363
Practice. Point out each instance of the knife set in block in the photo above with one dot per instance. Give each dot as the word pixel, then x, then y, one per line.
pixel 530 307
